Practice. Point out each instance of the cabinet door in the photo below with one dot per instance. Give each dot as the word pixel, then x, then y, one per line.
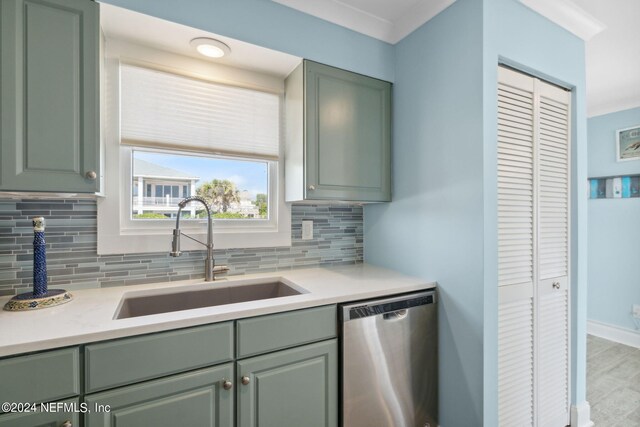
pixel 295 387
pixel 62 414
pixel 348 135
pixel 49 84
pixel 197 398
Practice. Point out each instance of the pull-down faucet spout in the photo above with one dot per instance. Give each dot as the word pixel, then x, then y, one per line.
pixel 209 263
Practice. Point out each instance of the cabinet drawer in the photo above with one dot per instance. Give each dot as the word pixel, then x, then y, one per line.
pixel 193 399
pixel 68 410
pixel 40 377
pixel 131 360
pixel 278 331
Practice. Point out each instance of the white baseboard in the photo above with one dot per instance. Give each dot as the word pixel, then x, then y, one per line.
pixel 581 415
pixel 614 333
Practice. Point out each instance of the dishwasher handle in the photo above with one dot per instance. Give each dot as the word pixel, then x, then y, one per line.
pixel 396 315
pixel 390 308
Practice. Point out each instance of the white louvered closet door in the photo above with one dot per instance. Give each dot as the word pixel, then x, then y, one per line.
pixel 515 248
pixel 553 256
pixel 532 251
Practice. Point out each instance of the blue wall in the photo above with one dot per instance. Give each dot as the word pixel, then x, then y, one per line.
pixel 269 24
pixel 433 227
pixel 614 228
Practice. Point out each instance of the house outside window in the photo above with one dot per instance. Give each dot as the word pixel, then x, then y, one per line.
pixel 169 186
pixel 165 185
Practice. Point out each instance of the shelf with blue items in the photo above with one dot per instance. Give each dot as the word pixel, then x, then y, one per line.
pixel 614 187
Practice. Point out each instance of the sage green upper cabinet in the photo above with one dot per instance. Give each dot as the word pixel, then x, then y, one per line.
pixel 50 95
pixel 338 139
pixel 294 387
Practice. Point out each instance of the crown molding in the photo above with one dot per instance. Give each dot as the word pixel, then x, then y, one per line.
pixel 568 15
pixel 345 15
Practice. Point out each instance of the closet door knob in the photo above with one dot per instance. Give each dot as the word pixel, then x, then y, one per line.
pixel 556 285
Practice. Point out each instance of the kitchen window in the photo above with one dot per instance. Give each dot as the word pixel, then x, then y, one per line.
pixel 235 188
pixel 179 136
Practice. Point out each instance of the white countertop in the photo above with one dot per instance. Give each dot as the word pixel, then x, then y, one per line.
pixel 89 317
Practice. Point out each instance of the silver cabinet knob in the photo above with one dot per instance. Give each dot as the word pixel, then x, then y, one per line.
pixel 245 380
pixel 556 285
pixel 66 424
pixel 91 175
pixel 312 187
pixel 226 384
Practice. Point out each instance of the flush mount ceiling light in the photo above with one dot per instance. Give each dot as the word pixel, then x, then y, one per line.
pixel 210 47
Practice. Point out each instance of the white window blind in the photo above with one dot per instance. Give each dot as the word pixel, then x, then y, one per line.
pixel 168 110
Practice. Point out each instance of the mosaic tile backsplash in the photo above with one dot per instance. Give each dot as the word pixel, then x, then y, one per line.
pixel 73 263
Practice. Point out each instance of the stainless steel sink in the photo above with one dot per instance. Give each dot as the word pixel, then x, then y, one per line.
pixel 211 294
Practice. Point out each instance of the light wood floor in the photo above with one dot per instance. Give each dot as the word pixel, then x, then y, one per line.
pixel 613 383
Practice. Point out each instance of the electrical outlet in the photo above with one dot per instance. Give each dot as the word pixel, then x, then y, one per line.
pixel 307 230
pixel 636 311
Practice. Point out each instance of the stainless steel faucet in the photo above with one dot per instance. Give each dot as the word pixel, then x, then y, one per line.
pixel 209 264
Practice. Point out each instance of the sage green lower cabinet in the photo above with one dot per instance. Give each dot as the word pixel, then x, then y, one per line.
pixel 197 398
pixel 63 412
pixel 129 360
pixel 276 370
pixel 294 387
pixel 264 334
pixel 41 377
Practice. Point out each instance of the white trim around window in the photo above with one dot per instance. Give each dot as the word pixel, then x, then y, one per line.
pixel 118 234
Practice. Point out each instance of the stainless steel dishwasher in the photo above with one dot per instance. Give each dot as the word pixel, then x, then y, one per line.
pixel 390 362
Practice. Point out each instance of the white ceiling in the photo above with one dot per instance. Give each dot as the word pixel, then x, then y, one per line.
pixel 611 30
pixel 386 20
pixel 123 24
pixel 613 56
pixel 610 27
